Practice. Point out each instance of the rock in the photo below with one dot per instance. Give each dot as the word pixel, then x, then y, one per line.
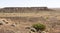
pixel 31 32
pixel 5 21
pixel 33 29
pixel 13 25
pixel 1 23
pixel 27 27
pixel 43 32
pixel 30 29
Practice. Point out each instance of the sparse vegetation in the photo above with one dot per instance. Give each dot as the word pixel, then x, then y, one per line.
pixel 39 27
pixel 19 20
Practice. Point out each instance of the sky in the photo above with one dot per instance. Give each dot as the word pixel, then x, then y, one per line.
pixel 30 3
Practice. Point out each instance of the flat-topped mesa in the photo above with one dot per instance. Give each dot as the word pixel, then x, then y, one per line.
pixel 41 8
pixel 17 8
pixel 23 9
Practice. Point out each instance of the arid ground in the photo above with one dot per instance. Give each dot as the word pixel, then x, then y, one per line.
pixel 16 22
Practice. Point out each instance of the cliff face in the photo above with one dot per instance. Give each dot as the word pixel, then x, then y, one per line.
pixel 23 9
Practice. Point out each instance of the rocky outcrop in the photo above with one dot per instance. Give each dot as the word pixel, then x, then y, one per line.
pixel 23 9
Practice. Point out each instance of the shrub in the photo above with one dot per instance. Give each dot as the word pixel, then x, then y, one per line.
pixel 39 27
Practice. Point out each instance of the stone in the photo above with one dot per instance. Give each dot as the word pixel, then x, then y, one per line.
pixel 27 27
pixel 13 25
pixel 1 23
pixel 43 32
pixel 33 29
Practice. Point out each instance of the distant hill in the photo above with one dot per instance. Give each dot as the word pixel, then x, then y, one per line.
pixel 23 9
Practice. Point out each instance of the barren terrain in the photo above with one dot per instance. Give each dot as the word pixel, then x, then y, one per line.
pixel 16 22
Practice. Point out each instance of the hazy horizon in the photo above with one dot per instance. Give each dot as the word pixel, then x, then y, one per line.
pixel 30 3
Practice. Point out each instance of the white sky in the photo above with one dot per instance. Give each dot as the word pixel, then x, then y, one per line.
pixel 30 3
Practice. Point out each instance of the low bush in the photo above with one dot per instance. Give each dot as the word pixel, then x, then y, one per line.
pixel 39 26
